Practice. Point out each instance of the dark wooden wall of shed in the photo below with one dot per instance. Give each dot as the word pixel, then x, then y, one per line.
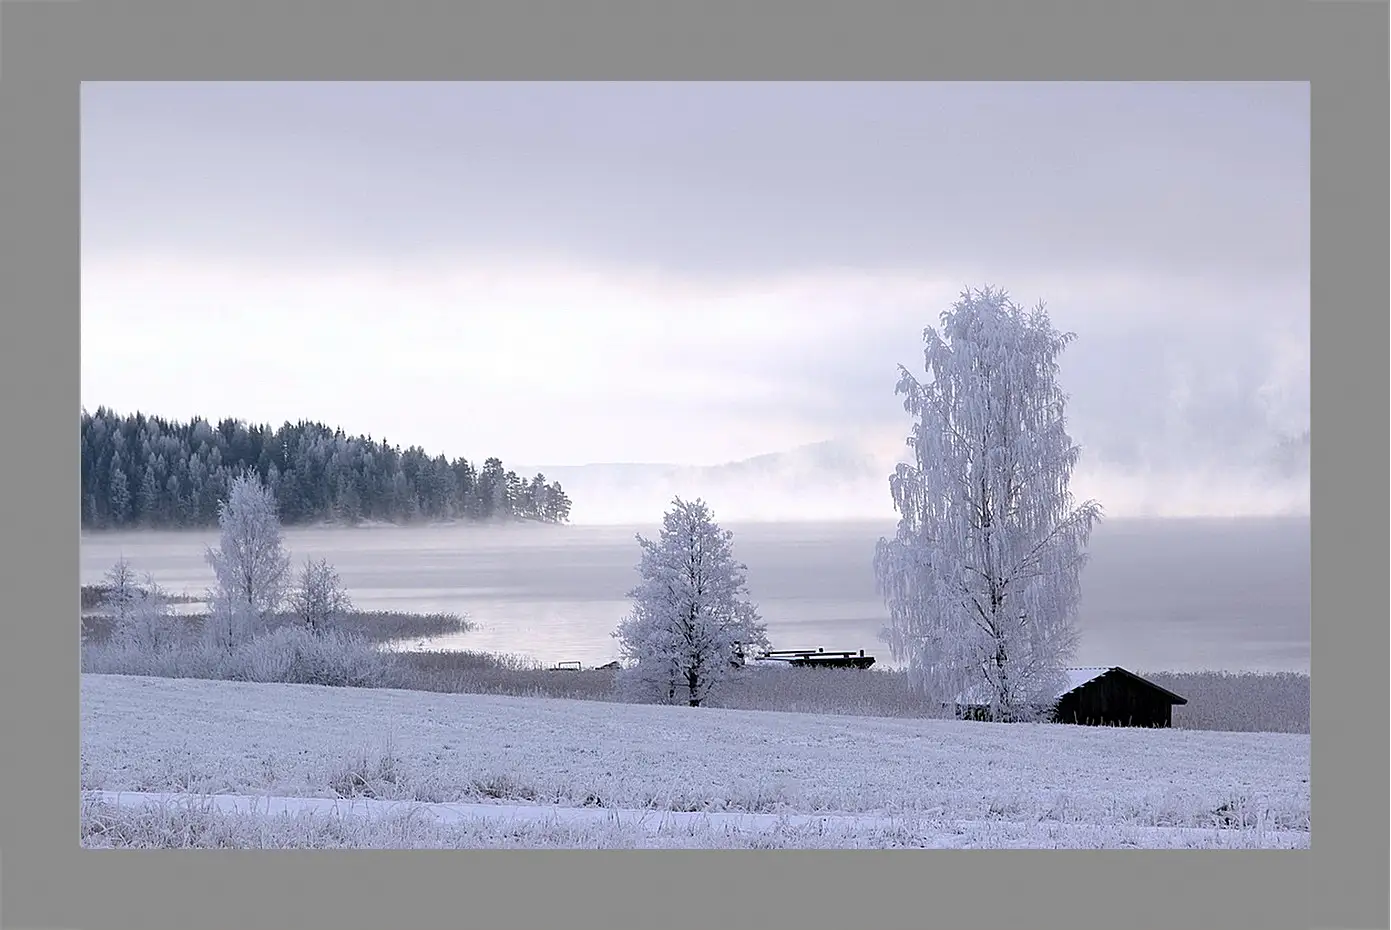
pixel 1115 701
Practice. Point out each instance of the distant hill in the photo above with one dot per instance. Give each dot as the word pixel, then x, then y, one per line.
pixel 833 479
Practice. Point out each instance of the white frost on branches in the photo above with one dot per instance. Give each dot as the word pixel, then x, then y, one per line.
pixel 251 565
pixel 141 616
pixel 152 626
pixel 691 617
pixel 982 579
pixel 318 598
pixel 121 592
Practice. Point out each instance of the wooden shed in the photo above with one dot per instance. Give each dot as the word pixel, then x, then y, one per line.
pixel 1102 696
pixel 1114 697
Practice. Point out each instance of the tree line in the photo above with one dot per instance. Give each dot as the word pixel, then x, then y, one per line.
pixel 141 471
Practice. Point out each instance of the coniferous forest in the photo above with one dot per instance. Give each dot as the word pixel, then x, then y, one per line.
pixel 141 471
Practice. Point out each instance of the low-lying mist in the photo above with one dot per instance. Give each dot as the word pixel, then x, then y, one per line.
pixel 832 481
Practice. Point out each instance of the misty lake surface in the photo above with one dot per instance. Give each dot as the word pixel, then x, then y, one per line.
pixel 1158 594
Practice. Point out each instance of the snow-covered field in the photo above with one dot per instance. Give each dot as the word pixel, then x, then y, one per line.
pixel 418 769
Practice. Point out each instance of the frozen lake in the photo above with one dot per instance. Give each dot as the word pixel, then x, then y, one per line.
pixel 1174 595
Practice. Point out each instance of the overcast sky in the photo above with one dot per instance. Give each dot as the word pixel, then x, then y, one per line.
pixel 696 273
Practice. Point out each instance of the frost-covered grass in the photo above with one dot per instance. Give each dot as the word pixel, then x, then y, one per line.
pixel 484 673
pixel 113 820
pixel 376 626
pixel 871 693
pixel 1247 702
pixel 1021 781
pixel 385 626
pixel 95 596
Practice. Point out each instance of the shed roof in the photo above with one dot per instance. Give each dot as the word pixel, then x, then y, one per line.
pixel 1127 673
pixel 1077 677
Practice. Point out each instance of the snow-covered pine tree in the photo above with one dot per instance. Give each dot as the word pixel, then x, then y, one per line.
pixel 147 499
pixel 690 609
pixel 119 495
pixel 982 579
pixel 537 498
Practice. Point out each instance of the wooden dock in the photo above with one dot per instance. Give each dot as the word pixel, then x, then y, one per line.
pixel 818 658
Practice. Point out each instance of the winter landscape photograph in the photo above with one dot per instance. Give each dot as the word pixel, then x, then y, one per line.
pixel 695 465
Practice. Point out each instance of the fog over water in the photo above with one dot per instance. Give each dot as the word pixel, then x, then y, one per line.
pixel 1158 594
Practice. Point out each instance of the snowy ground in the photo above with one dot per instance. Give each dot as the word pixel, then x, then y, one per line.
pixel 465 770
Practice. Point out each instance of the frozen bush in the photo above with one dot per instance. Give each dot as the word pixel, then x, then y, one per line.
pixel 318 598
pixel 146 622
pixel 297 655
pixel 290 655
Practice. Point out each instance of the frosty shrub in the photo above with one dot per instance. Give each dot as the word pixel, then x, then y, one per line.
pixel 690 612
pixel 982 578
pixel 298 655
pixel 318 598
pixel 289 655
pixel 113 657
pixel 146 621
pixel 229 622
pixel 250 565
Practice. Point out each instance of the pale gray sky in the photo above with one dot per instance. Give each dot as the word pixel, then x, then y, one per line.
pixel 695 273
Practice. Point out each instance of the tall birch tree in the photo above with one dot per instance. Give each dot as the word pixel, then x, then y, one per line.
pixel 982 578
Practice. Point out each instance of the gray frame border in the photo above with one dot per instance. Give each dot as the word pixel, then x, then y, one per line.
pixel 47 48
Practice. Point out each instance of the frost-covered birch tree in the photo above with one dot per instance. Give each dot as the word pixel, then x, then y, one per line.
pixel 251 565
pixel 121 591
pixel 982 578
pixel 691 612
pixel 318 597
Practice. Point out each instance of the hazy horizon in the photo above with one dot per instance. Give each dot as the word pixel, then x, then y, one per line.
pixel 699 274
